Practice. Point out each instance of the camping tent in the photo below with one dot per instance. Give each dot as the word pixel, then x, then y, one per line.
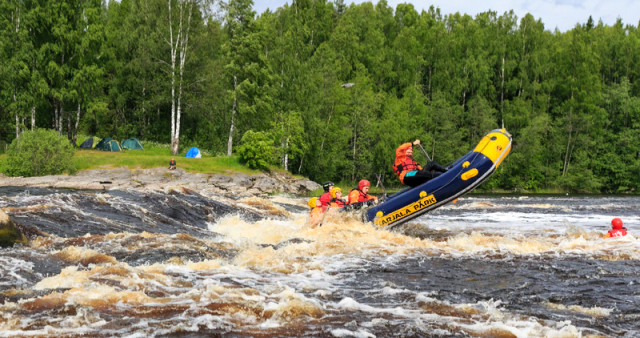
pixel 193 153
pixel 108 144
pixel 132 144
pixel 89 143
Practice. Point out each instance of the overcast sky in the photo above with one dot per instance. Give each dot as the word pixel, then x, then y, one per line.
pixel 563 14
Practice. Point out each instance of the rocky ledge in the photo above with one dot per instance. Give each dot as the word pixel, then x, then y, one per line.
pixel 161 179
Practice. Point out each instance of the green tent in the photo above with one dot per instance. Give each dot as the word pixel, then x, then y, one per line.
pixel 108 144
pixel 132 144
pixel 89 143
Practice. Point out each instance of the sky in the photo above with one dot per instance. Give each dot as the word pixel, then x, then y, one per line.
pixel 561 14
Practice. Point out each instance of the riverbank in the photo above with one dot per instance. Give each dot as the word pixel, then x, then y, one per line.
pixel 234 184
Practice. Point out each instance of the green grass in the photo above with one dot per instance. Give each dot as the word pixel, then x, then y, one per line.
pixel 152 158
pixel 154 155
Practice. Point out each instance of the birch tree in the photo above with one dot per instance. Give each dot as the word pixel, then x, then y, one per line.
pixel 179 44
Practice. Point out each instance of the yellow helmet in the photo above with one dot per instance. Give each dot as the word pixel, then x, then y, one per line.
pixel 334 191
pixel 312 202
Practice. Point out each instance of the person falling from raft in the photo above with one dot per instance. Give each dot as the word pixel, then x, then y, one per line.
pixel 359 196
pixel 317 212
pixel 617 230
pixel 408 170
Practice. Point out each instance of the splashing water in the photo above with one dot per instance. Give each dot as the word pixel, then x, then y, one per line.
pixel 148 264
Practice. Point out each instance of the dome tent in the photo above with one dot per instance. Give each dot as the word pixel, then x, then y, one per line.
pixel 108 144
pixel 89 143
pixel 132 144
pixel 193 153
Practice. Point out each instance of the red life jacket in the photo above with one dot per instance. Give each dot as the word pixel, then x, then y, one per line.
pixel 617 232
pixel 337 203
pixel 356 195
pixel 325 199
pixel 402 163
pixel 409 164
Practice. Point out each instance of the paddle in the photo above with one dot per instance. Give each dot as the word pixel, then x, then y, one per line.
pixel 425 152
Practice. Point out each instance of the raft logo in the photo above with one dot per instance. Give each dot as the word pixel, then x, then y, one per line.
pixel 406 211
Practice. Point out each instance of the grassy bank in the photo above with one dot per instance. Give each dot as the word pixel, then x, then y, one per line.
pixel 139 159
pixel 153 156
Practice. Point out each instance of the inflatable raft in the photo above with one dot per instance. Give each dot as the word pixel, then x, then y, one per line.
pixel 463 175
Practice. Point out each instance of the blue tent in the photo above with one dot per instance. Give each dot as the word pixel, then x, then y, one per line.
pixel 193 153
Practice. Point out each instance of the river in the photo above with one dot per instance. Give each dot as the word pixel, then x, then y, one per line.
pixel 113 263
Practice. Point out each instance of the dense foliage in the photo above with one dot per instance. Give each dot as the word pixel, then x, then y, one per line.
pixel 335 87
pixel 39 152
pixel 257 150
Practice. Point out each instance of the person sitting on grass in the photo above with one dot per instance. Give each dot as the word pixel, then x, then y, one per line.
pixel 172 164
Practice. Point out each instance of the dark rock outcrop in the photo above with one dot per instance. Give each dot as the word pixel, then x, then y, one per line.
pixel 9 232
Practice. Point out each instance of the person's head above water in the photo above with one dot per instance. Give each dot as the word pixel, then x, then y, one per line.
pixel 327 186
pixel 364 185
pixel 616 223
pixel 336 193
pixel 312 202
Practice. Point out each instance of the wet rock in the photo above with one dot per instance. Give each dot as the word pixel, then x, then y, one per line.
pixel 266 184
pixel 305 186
pixel 159 179
pixel 242 180
pixel 9 232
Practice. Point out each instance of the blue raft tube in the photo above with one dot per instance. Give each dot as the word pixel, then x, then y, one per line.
pixel 462 176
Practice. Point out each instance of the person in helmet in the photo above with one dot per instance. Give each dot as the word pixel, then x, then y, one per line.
pixel 317 212
pixel 336 198
pixel 325 198
pixel 361 193
pixel 617 230
pixel 408 170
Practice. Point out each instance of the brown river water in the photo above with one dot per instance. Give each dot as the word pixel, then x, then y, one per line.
pixel 114 263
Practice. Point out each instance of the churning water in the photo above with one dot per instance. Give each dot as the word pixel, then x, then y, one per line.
pixel 149 264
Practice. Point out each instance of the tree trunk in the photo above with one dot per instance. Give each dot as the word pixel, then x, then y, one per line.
pixel 502 93
pixel 179 49
pixel 74 136
pixel 285 160
pixel 56 113
pixel 61 118
pixel 33 117
pixel 233 115
pixel 174 51
pixel 17 118
pixel 567 156
pixel 355 139
pixel 326 129
pixel 69 130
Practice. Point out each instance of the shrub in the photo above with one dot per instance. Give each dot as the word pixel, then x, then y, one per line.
pixel 256 150
pixel 39 152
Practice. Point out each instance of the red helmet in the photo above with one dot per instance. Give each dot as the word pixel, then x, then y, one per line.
pixel 616 223
pixel 363 183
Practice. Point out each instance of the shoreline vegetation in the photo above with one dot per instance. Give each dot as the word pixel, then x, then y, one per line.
pixel 157 157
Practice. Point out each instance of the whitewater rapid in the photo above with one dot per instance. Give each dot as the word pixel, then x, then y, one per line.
pixel 156 265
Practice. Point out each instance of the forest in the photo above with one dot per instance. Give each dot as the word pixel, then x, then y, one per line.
pixel 330 89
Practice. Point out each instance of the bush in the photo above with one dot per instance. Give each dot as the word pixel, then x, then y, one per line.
pixel 257 150
pixel 38 153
